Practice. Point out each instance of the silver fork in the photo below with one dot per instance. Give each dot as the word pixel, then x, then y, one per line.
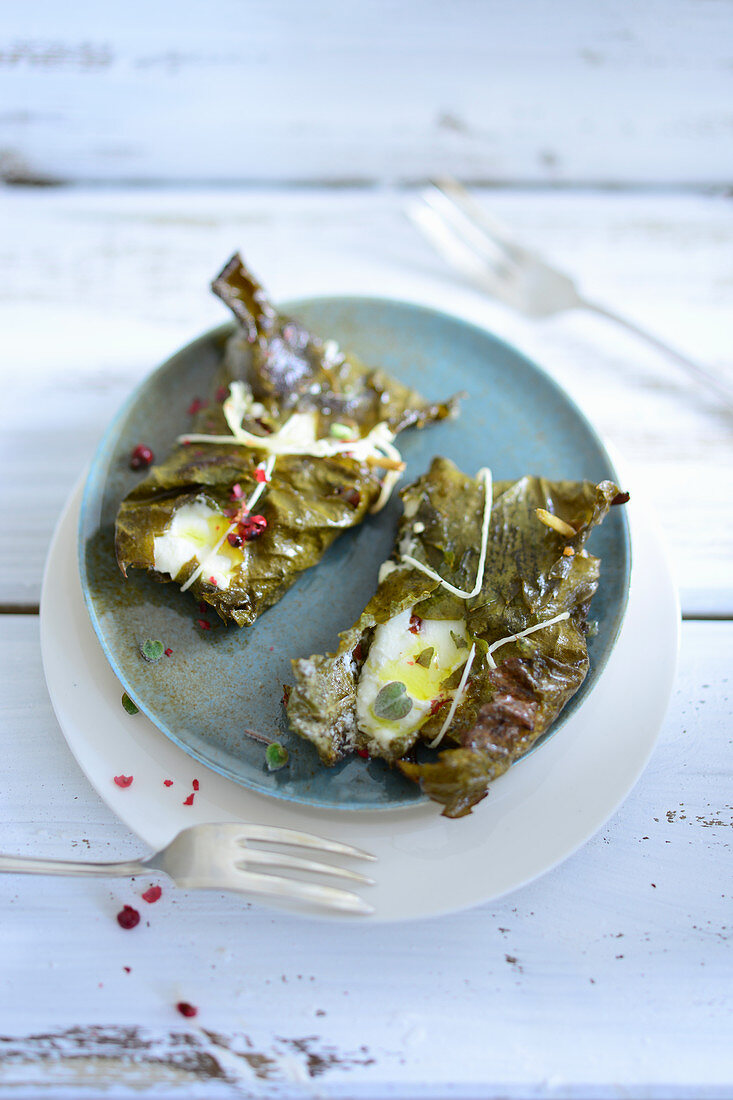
pixel 219 857
pixel 470 239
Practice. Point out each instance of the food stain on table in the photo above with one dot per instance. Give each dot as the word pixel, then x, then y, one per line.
pixel 137 1058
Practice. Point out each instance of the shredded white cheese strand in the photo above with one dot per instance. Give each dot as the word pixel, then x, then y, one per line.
pixel 237 404
pixel 377 443
pixel 523 634
pixel 460 691
pixel 389 481
pixel 492 664
pixel 378 438
pixel 485 475
pixel 235 408
pixel 261 486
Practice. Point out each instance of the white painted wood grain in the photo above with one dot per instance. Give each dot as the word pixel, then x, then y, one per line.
pixel 391 90
pixel 610 976
pixel 98 286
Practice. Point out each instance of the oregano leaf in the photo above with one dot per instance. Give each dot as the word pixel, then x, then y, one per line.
pixel 458 641
pixel 425 657
pixel 129 705
pixel 276 756
pixel 152 650
pixel 393 702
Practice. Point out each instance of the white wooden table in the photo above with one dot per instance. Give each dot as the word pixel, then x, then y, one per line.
pixel 610 976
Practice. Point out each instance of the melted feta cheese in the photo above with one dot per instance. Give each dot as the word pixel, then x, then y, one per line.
pixel 300 429
pixel 385 569
pixel 392 657
pixel 192 534
pixel 298 437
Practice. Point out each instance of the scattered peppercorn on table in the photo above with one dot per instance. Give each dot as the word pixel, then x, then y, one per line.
pixel 610 974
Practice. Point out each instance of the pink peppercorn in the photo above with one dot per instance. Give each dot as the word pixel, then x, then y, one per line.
pixel 128 917
pixel 141 457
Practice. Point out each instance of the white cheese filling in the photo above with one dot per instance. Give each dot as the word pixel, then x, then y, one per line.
pixel 194 533
pixel 393 658
pixel 228 530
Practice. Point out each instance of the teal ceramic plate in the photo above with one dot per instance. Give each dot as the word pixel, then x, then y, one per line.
pixel 218 683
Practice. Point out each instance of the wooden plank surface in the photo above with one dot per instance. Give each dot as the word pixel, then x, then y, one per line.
pixel 609 976
pixel 386 91
pixel 98 285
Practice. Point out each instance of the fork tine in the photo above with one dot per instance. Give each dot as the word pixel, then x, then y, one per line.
pixel 454 250
pixel 296 863
pixel 329 896
pixel 489 248
pixel 455 193
pixel 278 835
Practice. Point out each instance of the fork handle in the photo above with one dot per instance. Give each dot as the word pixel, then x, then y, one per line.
pixel 718 385
pixel 20 865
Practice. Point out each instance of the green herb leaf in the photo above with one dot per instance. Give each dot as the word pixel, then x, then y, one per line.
pixel 276 756
pixel 129 705
pixel 458 641
pixel 152 650
pixel 342 431
pixel 425 657
pixel 393 702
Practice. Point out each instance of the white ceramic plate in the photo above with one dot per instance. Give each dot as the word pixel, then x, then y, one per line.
pixel 536 815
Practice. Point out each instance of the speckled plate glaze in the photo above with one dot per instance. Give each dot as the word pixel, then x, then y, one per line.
pixel 218 683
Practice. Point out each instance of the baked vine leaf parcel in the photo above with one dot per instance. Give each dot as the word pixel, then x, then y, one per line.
pixel 294 446
pixel 475 639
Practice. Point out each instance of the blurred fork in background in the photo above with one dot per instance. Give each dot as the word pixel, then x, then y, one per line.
pixel 470 239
